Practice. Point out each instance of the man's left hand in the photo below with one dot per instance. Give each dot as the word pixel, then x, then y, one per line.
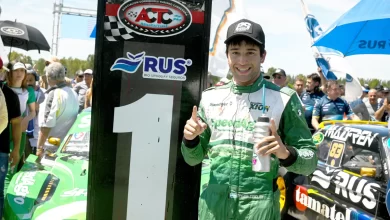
pixel 272 144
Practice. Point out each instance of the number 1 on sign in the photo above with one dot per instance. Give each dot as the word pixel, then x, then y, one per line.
pixel 150 121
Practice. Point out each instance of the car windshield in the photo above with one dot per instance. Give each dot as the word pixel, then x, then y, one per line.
pixel 77 144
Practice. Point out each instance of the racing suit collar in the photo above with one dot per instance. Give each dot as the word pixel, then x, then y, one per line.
pixel 257 85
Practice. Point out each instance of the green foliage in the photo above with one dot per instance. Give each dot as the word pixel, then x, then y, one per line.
pixel 72 64
pixel 15 56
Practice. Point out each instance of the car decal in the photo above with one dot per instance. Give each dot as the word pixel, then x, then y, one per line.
pixel 48 188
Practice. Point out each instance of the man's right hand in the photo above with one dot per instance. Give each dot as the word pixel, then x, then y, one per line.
pixel 194 126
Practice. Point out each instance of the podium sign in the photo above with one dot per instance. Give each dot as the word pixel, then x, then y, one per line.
pixel 150 69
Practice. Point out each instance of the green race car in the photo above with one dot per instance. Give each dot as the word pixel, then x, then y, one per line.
pixel 55 187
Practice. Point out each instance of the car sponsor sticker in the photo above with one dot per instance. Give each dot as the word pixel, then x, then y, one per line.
pixel 318 138
pixel 155 18
pixel 21 189
pixel 354 188
pixel 78 136
pixel 164 68
pixel 335 154
pixel 355 135
pixel 304 199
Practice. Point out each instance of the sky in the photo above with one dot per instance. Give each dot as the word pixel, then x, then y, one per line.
pixel 287 40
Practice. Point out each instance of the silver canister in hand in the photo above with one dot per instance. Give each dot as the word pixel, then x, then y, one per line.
pixel 261 163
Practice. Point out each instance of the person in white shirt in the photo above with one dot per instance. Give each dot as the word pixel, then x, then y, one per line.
pixel 3 112
pixel 59 110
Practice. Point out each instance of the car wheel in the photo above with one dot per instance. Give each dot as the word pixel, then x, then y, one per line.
pixel 285 186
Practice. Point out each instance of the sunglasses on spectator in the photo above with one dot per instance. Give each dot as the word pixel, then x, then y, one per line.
pixel 80 76
pixel 277 77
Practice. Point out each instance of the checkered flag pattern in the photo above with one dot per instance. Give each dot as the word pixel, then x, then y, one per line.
pixel 115 31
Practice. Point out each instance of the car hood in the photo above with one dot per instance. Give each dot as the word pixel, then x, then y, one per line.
pixel 38 192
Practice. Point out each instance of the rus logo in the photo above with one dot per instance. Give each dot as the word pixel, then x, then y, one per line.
pixel 373 44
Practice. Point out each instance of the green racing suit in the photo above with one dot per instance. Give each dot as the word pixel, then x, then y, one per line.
pixel 234 191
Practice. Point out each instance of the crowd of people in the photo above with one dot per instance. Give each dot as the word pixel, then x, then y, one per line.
pixel 35 108
pixel 323 99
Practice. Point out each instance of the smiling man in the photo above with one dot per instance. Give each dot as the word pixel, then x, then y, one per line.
pixel 223 129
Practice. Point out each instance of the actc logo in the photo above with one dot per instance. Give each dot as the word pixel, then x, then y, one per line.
pixel 166 68
pixel 155 18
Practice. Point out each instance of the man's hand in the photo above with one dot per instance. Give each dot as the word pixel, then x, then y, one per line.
pixel 272 144
pixel 14 158
pixel 194 126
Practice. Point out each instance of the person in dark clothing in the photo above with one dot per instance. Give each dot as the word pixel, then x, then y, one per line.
pixel 14 117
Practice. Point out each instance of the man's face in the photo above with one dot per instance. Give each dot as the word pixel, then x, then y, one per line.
pixel 298 85
pixel 372 97
pixel 244 62
pixel 310 85
pixel 30 79
pixel 88 78
pixel 334 92
pixel 79 78
pixel 279 79
pixel 379 94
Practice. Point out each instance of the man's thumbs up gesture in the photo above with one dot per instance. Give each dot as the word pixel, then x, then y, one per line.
pixel 194 126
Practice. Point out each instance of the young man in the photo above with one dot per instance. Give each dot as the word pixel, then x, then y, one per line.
pixel 224 130
pixel 331 106
pixel 311 96
pixel 299 86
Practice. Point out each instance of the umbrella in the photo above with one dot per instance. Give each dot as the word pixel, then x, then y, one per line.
pixel 15 34
pixel 364 29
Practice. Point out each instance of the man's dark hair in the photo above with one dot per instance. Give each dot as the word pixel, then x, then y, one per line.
pixel 315 78
pixel 237 41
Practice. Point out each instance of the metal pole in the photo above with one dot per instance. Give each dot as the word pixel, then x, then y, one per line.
pixel 54 23
pixel 58 26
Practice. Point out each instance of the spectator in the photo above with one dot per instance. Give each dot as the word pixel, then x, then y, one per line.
pixel 3 112
pixel 58 111
pixel 82 87
pixel 311 96
pixel 43 80
pixel 79 77
pixel 372 104
pixel 279 77
pixel 359 107
pixel 16 80
pixel 331 106
pixel 9 137
pixel 32 80
pixel 299 85
pixel 379 93
pixel 88 96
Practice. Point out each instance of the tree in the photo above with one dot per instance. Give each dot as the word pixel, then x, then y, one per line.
pixel 39 66
pixel 271 71
pixel 15 56
pixel 372 83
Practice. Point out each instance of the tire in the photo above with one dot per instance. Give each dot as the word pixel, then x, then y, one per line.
pixel 286 188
